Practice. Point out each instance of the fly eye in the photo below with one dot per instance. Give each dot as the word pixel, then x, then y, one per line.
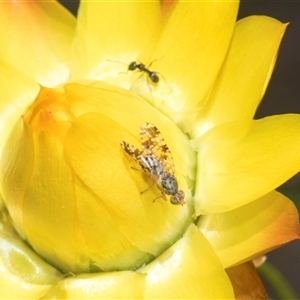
pixel 178 198
pixel 174 200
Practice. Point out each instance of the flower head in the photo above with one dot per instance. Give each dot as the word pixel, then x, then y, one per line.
pixel 88 209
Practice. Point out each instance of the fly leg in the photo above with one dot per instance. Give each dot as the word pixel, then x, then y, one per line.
pixel 161 196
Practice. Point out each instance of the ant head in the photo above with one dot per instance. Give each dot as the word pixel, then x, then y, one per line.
pixel 132 66
pixel 154 77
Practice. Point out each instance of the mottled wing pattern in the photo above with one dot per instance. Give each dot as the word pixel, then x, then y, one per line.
pixel 153 143
pixel 134 152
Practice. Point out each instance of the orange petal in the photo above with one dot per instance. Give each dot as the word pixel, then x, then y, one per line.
pixel 246 282
pixel 166 7
pixel 36 38
pixel 251 230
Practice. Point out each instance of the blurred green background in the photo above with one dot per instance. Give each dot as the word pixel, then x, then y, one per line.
pixel 282 96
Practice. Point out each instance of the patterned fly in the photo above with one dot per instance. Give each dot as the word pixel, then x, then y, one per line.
pixel 156 161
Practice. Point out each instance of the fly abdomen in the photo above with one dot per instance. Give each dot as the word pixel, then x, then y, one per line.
pixel 152 165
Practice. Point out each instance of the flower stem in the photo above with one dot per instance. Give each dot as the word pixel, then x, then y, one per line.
pixel 276 280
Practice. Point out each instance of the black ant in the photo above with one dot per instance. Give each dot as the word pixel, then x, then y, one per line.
pixel 152 75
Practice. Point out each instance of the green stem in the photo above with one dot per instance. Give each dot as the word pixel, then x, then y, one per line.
pixel 277 281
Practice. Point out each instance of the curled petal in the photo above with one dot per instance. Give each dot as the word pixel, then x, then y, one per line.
pixel 235 169
pixel 187 270
pixel 45 55
pixel 23 274
pixel 251 230
pixel 245 73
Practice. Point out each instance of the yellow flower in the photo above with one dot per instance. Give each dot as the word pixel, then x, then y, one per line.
pixel 79 220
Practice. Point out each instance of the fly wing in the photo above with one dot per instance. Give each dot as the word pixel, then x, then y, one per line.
pixel 154 144
pixel 132 151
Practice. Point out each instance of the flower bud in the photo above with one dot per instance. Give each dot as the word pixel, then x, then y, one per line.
pixel 73 192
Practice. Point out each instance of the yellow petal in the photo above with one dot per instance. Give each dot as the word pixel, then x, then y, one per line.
pixel 187 270
pixel 13 160
pixel 106 248
pixel 245 73
pixel 36 38
pixel 63 203
pixel 17 91
pixel 116 285
pixel 190 53
pixel 251 230
pixel 54 234
pixel 23 274
pixel 246 282
pixel 236 169
pixel 112 34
